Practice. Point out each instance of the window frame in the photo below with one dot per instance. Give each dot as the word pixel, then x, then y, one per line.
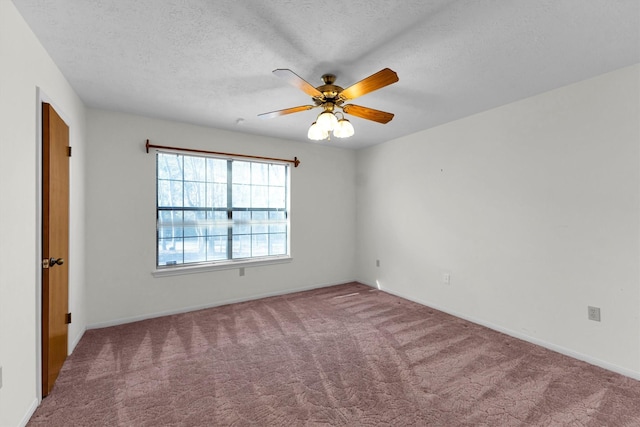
pixel 229 262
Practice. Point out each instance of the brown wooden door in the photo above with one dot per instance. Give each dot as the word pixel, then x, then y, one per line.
pixel 55 244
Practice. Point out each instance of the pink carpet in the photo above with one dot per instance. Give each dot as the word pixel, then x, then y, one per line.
pixel 346 355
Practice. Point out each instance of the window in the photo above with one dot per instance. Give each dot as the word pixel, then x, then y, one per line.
pixel 218 210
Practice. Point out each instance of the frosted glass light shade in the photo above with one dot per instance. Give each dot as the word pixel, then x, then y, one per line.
pixel 316 133
pixel 327 121
pixel 344 129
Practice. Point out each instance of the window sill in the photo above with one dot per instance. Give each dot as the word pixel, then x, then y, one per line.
pixel 230 265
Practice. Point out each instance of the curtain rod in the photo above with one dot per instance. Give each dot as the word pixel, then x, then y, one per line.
pixel 295 160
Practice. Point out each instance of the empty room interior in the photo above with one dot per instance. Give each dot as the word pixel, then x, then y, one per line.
pixel 475 209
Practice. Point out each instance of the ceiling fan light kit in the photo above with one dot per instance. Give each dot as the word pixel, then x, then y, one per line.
pixel 329 97
pixel 319 129
pixel 344 128
pixel 327 121
pixel 317 133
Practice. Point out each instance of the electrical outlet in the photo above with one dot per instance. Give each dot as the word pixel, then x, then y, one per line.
pixel 446 278
pixel 241 271
pixel 594 313
pixel 377 263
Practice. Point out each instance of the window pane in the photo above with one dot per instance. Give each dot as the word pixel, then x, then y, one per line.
pixel 242 246
pixel 217 170
pixel 169 251
pixel 218 223
pixel 259 245
pixel 194 194
pixel 169 224
pixel 260 174
pixel 216 248
pixel 241 196
pixel 241 222
pixel 259 196
pixel 277 175
pixel 241 172
pixel 194 223
pixel 194 249
pixel 278 244
pixel 217 195
pixel 164 193
pixel 194 168
pixel 169 193
pixel 277 222
pixel 277 197
pixel 260 222
pixel 169 166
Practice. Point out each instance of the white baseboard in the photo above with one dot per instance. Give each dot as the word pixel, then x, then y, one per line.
pixel 132 319
pixel 559 349
pixel 77 340
pixel 29 413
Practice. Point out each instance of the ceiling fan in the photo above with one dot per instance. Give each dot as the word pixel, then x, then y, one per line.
pixel 331 97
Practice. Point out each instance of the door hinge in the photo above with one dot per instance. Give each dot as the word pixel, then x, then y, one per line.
pixel 45 263
pixel 69 151
pixel 67 318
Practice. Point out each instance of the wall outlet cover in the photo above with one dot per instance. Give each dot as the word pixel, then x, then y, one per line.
pixel 594 313
pixel 446 278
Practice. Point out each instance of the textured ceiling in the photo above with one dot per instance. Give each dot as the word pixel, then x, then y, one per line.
pixel 209 62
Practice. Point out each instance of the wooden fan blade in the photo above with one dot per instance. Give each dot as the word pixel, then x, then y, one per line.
pixel 374 82
pixel 297 81
pixel 285 111
pixel 368 113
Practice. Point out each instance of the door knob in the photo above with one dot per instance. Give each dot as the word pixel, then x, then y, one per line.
pixel 54 261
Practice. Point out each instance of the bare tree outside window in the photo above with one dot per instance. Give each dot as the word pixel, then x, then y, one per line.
pixel 212 210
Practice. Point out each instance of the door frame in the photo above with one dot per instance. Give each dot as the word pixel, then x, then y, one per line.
pixel 41 98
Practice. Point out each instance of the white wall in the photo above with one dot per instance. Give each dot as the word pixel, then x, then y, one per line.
pixel 25 67
pixel 533 208
pixel 121 220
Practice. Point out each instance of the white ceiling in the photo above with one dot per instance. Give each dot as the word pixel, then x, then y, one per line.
pixel 209 62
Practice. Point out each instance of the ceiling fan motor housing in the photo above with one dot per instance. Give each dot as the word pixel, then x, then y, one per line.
pixel 330 93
